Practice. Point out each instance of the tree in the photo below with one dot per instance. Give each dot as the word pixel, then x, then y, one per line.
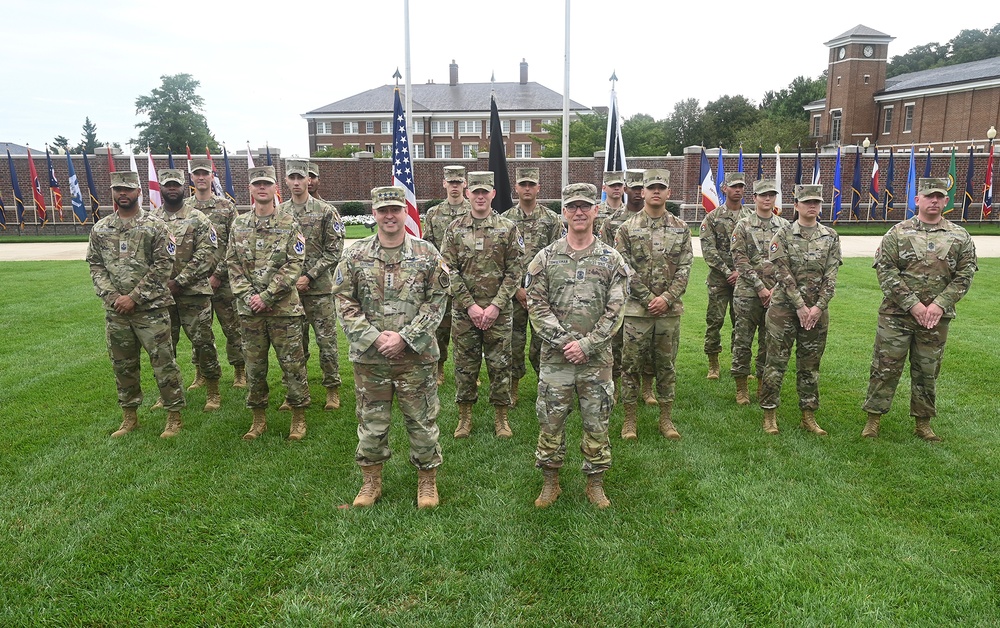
pixel 175 116
pixel 917 58
pixel 89 143
pixel 685 126
pixel 643 136
pixel 342 152
pixel 725 117
pixel 787 103
pixel 61 143
pixel 586 136
pixel 767 132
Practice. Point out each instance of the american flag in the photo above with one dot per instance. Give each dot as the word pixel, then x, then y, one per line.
pixel 402 167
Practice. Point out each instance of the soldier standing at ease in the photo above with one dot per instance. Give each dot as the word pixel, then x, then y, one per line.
pixel 312 182
pixel 436 221
pixel 806 257
pixel 266 252
pixel 576 294
pixel 392 290
pixel 222 212
pixel 614 192
pixel 657 247
pixel 716 237
pixel 130 255
pixel 539 227
pixel 925 266
pixel 194 260
pixel 483 253
pixel 323 229
pixel 751 240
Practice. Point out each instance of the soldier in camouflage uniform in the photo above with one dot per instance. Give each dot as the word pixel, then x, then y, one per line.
pixel 614 190
pixel 194 260
pixel 266 253
pixel 716 237
pixel 751 241
pixel 539 227
pixel 323 229
pixel 805 256
pixel 312 182
pixel 576 294
pixel 130 255
pixel 657 247
pixel 483 252
pixel 925 265
pixel 222 212
pixel 436 220
pixel 392 289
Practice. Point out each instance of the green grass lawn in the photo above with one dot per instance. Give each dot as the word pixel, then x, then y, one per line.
pixel 729 526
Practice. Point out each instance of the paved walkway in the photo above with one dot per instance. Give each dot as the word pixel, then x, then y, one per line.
pixel 851 246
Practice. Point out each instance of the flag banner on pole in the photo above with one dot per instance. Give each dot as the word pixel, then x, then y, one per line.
pixel 111 160
pixel 614 150
pixel 190 180
pixel 720 179
pixel 873 189
pixel 216 184
pixel 18 197
pixel 967 201
pixel 3 213
pixel 889 192
pixel 36 191
pixel 911 186
pixel 798 167
pixel 277 188
pixel 135 168
pixel 170 159
pixel 837 197
pixel 927 164
pixel 57 204
pixel 952 187
pixel 777 179
pixel 709 194
pixel 155 198
pixel 815 179
pixel 402 165
pixel 75 193
pixel 856 186
pixel 739 162
pixel 988 186
pixel 230 190
pixel 498 161
pixel 95 205
pixel 250 163
pixel 760 163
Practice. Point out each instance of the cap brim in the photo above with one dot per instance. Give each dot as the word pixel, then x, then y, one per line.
pixel 476 188
pixel 575 198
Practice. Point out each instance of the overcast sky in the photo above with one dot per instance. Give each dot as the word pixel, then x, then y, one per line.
pixel 263 64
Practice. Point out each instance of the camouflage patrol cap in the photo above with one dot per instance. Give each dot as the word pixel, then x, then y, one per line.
pixel 261 173
pixel 932 185
pixel 314 169
pixel 735 178
pixel 170 175
pixel 579 192
pixel 527 174
pixel 296 166
pixel 454 173
pixel 633 177
pixel 808 192
pixel 763 186
pixel 126 179
pixel 615 177
pixel 199 163
pixel 654 176
pixel 388 195
pixel 482 180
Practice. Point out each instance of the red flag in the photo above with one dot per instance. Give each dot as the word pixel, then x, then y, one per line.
pixel 36 189
pixel 111 161
pixel 988 188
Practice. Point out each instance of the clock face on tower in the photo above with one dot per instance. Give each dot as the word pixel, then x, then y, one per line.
pixel 843 51
pixel 868 51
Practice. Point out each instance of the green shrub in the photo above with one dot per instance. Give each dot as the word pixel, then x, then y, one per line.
pixel 353 208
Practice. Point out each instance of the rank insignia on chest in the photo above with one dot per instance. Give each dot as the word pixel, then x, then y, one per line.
pixel 123 247
pixel 300 244
pixel 581 274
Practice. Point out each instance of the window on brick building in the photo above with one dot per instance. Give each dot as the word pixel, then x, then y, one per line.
pixel 816 123
pixel 370 148
pixel 835 120
pixel 470 151
pixel 505 126
pixel 418 151
pixel 320 147
pixel 442 151
pixel 418 126
pixel 908 118
pixel 386 127
pixel 887 120
pixel 442 127
pixel 522 150
pixel 350 128
pixel 324 128
pixel 522 126
pixel 370 127
pixel 386 149
pixel 470 127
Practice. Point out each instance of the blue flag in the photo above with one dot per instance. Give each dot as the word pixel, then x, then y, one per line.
pixel 837 198
pixel 739 164
pixel 170 158
pixel 815 179
pixel 95 205
pixel 927 164
pixel 911 186
pixel 856 187
pixel 230 190
pixel 75 194
pixel 3 214
pixel 18 197
pixel 889 192
pixel 967 201
pixel 721 179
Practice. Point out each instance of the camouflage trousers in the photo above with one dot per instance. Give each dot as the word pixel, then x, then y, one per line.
pixel 616 356
pixel 652 341
pixel 443 334
pixel 557 385
pixel 783 330
pixel 224 307
pixel 415 389
pixel 750 314
pixel 321 314
pixel 194 314
pixel 519 339
pixel 471 346
pixel 896 337
pixel 284 333
pixel 149 330
pixel 720 298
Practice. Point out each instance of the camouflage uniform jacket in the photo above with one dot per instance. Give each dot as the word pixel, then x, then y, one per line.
pixel 437 219
pixel 324 232
pixel 716 237
pixel 658 250
pixel 401 290
pixel 265 258
pixel 751 239
pixel 196 243
pixel 576 295
pixel 485 261
pixel 921 263
pixel 805 265
pixel 539 229
pixel 614 221
pixel 603 214
pixel 131 256
pixel 222 212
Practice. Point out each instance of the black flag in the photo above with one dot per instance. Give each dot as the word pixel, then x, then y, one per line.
pixel 498 162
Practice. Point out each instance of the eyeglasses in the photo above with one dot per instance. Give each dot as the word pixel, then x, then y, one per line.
pixel 573 209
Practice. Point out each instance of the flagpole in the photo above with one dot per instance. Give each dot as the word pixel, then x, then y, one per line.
pixel 866 144
pixel 565 124
pixel 406 62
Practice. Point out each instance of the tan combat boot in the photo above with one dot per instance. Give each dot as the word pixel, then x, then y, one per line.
pixel 212 399
pixel 158 405
pixel 259 424
pixel 174 424
pixel 371 486
pixel 199 379
pixel 628 426
pixel 427 491
pixel 647 391
pixel 809 423
pixel 440 375
pixel 298 428
pixel 464 420
pixel 771 420
pixel 666 424
pixel 550 488
pixel 742 392
pixel 924 431
pixel 240 376
pixel 500 425
pixel 713 366
pixel 595 491
pixel 130 421
pixel 284 407
pixel 332 398
pixel 872 425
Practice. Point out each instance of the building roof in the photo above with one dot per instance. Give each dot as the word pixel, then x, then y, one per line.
pixel 432 97
pixel 15 149
pixel 983 69
pixel 859 32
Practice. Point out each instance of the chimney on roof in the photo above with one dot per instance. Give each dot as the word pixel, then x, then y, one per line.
pixel 524 72
pixel 453 73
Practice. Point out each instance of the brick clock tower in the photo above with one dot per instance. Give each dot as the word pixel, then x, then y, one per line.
pixel 856 72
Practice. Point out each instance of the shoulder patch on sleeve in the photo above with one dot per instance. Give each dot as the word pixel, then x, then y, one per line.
pixel 300 243
pixel 171 244
pixel 212 235
pixel 444 277
pixel 339 277
pixel 774 247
